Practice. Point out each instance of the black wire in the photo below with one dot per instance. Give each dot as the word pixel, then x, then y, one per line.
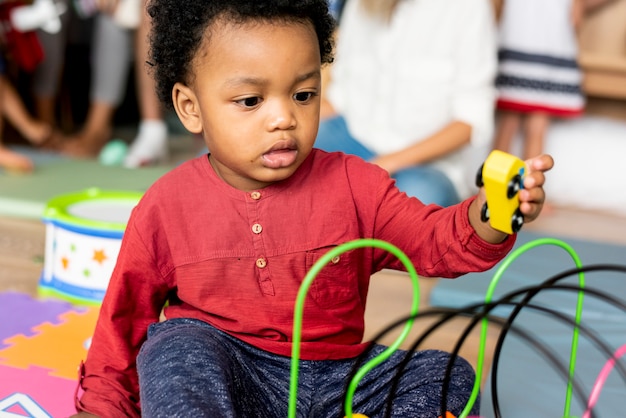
pixel 531 292
pixel 450 314
pixel 553 359
pixel 507 325
pixel 586 331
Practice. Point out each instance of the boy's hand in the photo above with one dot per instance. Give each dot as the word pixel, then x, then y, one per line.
pixel 532 196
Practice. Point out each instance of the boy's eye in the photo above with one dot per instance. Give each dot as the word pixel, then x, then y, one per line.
pixel 249 101
pixel 303 96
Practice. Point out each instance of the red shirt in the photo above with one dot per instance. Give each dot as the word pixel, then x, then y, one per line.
pixel 236 260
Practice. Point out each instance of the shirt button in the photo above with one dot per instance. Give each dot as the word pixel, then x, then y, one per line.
pixel 261 263
pixel 255 195
pixel 335 259
pixel 257 228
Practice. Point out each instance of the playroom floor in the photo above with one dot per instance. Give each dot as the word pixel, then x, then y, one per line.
pixel 22 249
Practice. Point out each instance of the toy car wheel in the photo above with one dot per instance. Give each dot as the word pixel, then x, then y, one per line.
pixel 479 176
pixel 484 213
pixel 514 186
pixel 517 221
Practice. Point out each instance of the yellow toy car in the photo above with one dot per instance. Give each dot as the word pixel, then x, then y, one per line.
pixel 502 175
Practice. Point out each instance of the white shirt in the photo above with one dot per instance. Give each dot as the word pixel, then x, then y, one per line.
pixel 435 63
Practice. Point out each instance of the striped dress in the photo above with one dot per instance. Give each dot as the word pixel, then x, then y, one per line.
pixel 538 68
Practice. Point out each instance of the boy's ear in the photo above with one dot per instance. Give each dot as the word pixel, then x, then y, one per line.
pixel 187 108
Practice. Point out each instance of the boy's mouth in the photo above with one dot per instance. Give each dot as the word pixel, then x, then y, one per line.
pixel 281 155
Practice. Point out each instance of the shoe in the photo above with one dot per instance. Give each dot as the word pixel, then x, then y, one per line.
pixel 150 147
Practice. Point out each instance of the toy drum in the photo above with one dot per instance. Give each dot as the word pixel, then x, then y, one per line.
pixel 83 238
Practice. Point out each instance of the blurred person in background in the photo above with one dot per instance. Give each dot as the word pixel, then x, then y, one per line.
pixel 412 90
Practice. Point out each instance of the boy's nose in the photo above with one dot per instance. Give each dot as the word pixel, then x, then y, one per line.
pixel 282 117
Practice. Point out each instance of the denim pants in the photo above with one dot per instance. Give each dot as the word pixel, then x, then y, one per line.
pixel 425 182
pixel 188 368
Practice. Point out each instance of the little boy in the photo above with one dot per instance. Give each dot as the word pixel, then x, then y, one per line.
pixel 226 239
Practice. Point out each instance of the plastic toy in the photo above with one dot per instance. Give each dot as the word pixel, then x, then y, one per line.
pixel 113 153
pixel 83 237
pixel 502 175
pixel 481 314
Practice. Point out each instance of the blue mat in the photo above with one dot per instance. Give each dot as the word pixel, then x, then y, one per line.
pixel 528 384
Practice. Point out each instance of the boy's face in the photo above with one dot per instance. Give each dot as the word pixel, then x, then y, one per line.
pixel 254 96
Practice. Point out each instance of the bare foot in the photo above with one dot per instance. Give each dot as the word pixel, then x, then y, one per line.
pixel 85 144
pixel 37 133
pixel 43 135
pixel 78 147
pixel 14 162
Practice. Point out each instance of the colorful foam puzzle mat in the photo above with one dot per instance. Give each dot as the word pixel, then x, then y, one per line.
pixel 42 343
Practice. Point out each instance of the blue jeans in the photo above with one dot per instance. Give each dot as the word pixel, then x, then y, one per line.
pixel 187 368
pixel 425 182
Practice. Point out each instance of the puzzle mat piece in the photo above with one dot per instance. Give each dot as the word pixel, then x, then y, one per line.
pixel 34 393
pixel 56 347
pixel 26 312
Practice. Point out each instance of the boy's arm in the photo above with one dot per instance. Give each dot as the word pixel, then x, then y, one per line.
pixel 134 298
pixel 531 197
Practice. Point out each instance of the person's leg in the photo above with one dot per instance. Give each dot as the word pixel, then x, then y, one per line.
pixel 10 160
pixel 110 65
pixel 13 161
pixel 188 368
pixel 417 390
pixel 13 108
pixel 428 184
pixel 535 128
pixel 333 135
pixel 508 126
pixel 150 144
pixel 47 75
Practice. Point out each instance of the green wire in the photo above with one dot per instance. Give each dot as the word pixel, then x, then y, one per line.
pixel 299 307
pixel 485 322
pixel 360 243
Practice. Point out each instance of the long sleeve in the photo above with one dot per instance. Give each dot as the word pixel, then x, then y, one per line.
pixel 133 301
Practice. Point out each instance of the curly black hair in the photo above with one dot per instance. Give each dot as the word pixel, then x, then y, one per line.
pixel 178 28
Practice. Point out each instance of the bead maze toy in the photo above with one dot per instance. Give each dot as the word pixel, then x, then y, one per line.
pixel 481 313
pixel 298 312
pixel 83 238
pixel 502 175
